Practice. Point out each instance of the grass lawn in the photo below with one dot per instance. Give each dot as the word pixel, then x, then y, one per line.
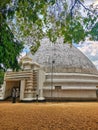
pixel 49 116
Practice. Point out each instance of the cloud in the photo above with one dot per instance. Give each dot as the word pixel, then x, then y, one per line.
pixel 96 2
pixel 90 49
pixel 88 2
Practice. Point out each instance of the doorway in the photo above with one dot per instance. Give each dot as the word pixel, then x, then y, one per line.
pixel 10 85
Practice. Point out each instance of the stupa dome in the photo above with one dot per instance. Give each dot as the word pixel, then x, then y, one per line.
pixel 62 58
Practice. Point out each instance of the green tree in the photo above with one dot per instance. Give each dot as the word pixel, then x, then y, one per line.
pixel 45 18
pixel 9 46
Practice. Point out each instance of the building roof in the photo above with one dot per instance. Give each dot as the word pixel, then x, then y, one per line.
pixel 61 58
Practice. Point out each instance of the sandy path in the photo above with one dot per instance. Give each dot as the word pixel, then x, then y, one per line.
pixel 49 116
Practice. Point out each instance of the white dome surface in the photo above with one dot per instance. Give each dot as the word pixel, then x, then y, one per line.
pixel 66 58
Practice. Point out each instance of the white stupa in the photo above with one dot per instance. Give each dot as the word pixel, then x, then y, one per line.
pixel 70 75
pixel 55 72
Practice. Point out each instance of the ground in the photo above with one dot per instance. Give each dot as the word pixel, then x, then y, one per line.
pixel 49 116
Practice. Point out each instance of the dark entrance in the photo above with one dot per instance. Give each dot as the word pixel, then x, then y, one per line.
pixel 15 94
pixel 12 90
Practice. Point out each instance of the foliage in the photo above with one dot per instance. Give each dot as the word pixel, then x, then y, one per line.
pixel 9 46
pixel 45 18
pixel 94 32
pixel 35 47
pixel 9 49
pixel 52 19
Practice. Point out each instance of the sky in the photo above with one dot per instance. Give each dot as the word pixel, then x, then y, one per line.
pixel 91 1
pixel 90 49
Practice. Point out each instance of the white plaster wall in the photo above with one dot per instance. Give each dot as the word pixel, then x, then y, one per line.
pixel 70 94
pixel 71 91
pixel 73 86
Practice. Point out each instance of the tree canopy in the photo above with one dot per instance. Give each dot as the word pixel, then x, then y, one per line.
pixel 23 19
pixel 71 20
pixel 9 46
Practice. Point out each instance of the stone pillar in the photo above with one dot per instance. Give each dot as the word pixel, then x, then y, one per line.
pixel 4 87
pixel 40 94
pixel 2 92
pixel 41 79
pixel 29 87
pixel 22 88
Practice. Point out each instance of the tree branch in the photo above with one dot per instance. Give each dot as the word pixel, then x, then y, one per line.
pixel 71 10
pixel 73 6
pixel 84 6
